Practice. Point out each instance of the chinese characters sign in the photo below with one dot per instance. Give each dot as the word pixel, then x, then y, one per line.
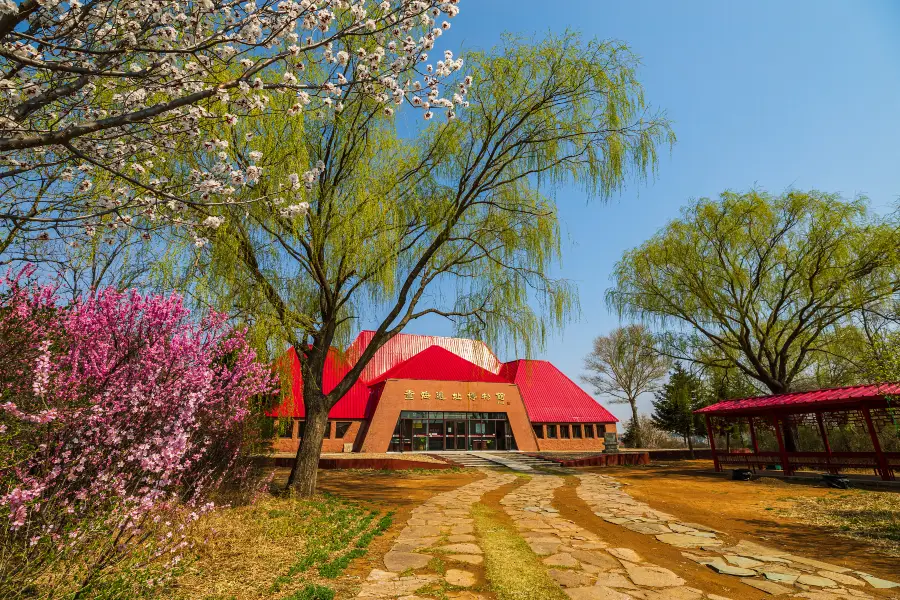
pixel 500 397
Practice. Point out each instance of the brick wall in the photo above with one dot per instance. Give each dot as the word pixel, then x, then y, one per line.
pixel 331 444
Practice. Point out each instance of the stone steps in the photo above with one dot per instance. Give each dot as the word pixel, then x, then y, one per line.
pixel 467 460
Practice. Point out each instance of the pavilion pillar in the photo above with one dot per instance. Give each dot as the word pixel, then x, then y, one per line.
pixel 825 442
pixel 785 462
pixel 753 435
pixel 883 468
pixel 712 442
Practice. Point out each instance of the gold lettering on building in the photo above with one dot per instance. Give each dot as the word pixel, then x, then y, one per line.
pixel 471 395
pixel 439 395
pixel 409 394
pixel 501 398
pixel 425 395
pixel 485 396
pixel 457 396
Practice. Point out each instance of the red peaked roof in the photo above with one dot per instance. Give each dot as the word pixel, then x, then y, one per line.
pixel 438 364
pixel 353 405
pixel 551 397
pixel 404 346
pixel 800 400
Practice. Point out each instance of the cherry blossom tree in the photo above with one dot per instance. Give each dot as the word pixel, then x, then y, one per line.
pixel 120 418
pixel 95 94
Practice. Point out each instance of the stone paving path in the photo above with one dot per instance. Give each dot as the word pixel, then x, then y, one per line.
pixel 585 566
pixel 582 563
pixel 767 569
pixel 443 524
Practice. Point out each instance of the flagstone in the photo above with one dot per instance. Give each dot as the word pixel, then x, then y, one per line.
pixel 625 554
pixel 767 586
pixel 568 578
pixel 460 578
pixel 822 566
pixel 875 582
pixel 561 560
pixel 683 540
pixel 614 580
pixel 780 577
pixel 472 559
pixel 379 575
pixel 603 561
pixel 842 578
pixel 461 549
pixel 543 548
pixel 652 576
pixel 742 561
pixel 648 528
pixel 595 592
pixel 816 581
pixel 402 561
pixel 720 566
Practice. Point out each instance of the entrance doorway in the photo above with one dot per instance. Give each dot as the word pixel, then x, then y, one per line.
pixel 419 431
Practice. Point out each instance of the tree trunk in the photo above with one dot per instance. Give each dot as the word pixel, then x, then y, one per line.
pixel 306 463
pixel 690 446
pixel 636 425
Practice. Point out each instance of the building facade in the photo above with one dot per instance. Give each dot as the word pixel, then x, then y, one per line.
pixel 427 393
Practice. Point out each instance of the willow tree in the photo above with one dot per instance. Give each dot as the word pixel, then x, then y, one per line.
pixel 763 284
pixel 457 220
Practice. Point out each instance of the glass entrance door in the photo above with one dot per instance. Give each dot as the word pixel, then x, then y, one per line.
pixel 434 431
pixel 455 435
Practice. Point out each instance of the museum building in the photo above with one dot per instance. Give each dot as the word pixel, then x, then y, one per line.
pixel 425 393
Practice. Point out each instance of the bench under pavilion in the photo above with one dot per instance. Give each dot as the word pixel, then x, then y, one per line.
pixel 829 430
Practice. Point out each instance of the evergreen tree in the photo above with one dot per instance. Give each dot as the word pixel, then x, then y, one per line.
pixel 674 405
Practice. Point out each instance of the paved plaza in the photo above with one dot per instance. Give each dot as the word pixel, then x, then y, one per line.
pixel 587 566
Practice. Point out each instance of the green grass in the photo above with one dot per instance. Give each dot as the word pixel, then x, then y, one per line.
pixel 313 592
pixel 515 572
pixel 341 524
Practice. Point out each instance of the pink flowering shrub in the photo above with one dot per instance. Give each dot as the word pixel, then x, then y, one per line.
pixel 121 418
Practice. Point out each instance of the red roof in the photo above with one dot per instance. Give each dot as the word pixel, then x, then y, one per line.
pixel 548 395
pixel 353 405
pixel 404 346
pixel 551 397
pixel 440 365
pixel 800 400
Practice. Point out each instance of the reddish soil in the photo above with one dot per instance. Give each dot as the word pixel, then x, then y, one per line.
pixel 748 510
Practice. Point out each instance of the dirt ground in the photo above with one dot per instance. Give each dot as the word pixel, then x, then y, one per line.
pixel 752 510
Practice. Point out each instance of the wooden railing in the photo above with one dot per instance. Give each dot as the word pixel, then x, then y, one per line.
pixel 833 462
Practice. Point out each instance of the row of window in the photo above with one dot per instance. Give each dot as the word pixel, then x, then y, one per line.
pixel 285 428
pixel 567 431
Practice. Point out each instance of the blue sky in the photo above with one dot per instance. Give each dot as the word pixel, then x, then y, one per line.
pixel 772 94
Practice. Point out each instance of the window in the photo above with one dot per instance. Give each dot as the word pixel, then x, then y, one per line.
pixel 576 431
pixel 564 432
pixel 328 430
pixel 551 432
pixel 538 431
pixel 285 428
pixel 341 428
pixel 589 430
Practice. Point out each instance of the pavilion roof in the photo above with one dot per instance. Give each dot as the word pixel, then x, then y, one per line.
pixel 832 397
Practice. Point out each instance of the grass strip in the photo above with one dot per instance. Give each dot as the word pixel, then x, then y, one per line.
pixel 313 592
pixel 513 570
